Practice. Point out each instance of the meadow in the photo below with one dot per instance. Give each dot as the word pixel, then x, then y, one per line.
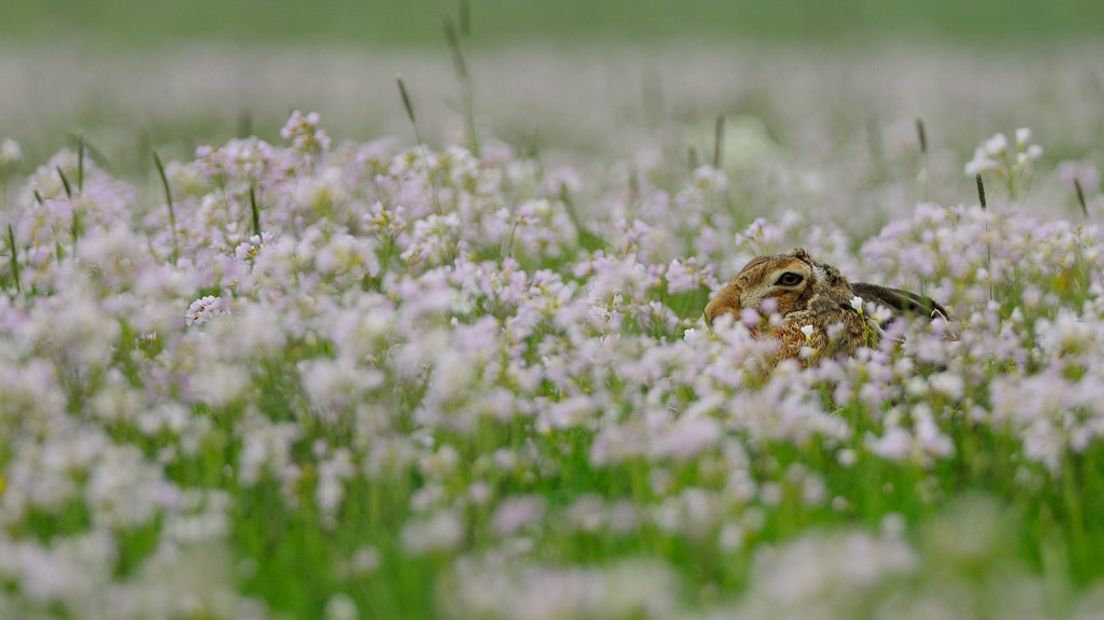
pixel 284 337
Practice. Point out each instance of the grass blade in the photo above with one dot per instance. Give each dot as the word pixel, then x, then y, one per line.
pixel 255 210
pixel 14 262
pixel 587 240
pixel 75 229
pixel 465 18
pixel 922 138
pixel 245 124
pixel 80 163
pixel 464 78
pixel 169 202
pixel 91 152
pixel 408 105
pixel 718 140
pixel 65 182
pixel 988 248
pixel 454 46
pixel 1081 197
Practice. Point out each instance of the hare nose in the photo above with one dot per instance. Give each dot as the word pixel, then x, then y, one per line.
pixel 727 301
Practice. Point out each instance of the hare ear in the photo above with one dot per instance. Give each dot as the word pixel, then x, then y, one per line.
pixel 901 301
pixel 802 255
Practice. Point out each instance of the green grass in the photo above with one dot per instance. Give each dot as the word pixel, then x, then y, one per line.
pixel 419 22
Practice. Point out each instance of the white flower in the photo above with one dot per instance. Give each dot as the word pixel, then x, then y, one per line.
pixel 857 303
pixel 341 606
pixel 996 145
pixel 441 531
pixel 948 384
pixel 304 133
pixel 995 155
pixel 894 445
pixel 248 250
pixel 9 152
pixel 204 309
pixel 881 314
pixel 808 331
pixel 687 437
pixel 517 512
pixel 981 163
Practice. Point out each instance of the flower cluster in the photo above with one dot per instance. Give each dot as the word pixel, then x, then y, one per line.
pixel 1011 163
pixel 424 380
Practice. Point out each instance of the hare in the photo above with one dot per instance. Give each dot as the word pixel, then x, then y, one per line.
pixel 815 303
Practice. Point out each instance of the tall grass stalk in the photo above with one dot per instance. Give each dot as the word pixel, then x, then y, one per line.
pixel 588 240
pixel 462 75
pixel 718 141
pixel 169 203
pixel 988 248
pixel 59 253
pixel 255 211
pixel 245 124
pixel 91 152
pixel 75 229
pixel 13 261
pixel 80 163
pixel 408 106
pixel 464 11
pixel 65 182
pixel 922 138
pixel 1081 198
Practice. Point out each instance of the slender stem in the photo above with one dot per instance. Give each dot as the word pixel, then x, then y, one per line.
pixel 80 163
pixel 465 85
pixel 465 18
pixel 169 203
pixel 408 105
pixel 718 139
pixel 988 249
pixel 922 138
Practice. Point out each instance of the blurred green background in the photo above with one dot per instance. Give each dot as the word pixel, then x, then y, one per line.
pixel 568 76
pixel 417 22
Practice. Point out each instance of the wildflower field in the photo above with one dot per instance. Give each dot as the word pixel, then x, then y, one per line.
pixel 454 374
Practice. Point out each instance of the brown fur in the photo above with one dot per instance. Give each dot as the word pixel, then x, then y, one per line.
pixel 822 299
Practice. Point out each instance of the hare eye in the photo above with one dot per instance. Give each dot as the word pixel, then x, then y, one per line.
pixel 789 279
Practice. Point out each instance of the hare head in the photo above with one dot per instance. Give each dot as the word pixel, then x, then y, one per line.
pixel 792 281
pixel 814 296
